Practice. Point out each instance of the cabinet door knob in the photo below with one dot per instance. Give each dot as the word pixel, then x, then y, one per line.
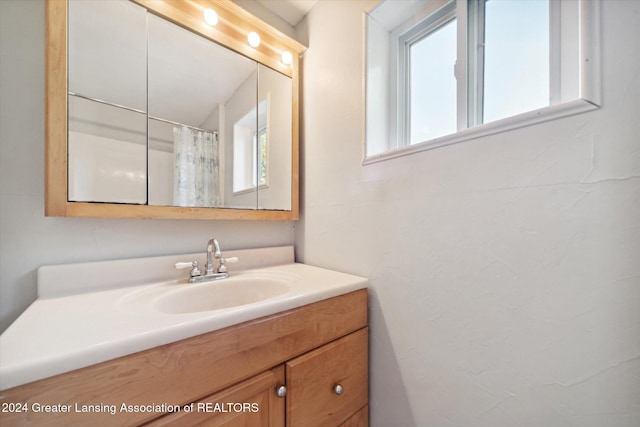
pixel 281 391
pixel 338 389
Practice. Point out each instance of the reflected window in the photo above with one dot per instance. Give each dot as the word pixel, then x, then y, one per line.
pixel 250 151
pixel 261 144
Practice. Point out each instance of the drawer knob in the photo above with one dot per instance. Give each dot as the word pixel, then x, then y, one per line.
pixel 338 389
pixel 281 391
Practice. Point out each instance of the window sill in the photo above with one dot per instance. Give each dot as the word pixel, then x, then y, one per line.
pixel 510 123
pixel 250 190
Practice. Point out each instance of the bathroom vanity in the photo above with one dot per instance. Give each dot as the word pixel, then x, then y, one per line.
pixel 297 358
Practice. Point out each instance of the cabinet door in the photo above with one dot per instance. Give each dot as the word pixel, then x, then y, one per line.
pixel 251 403
pixel 312 397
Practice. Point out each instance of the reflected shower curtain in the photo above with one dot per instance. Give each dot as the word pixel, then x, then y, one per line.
pixel 196 168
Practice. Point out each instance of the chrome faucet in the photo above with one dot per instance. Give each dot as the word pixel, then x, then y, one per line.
pixel 210 273
pixel 213 251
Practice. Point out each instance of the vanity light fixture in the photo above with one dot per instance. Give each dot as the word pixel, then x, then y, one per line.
pixel 286 58
pixel 253 39
pixel 211 17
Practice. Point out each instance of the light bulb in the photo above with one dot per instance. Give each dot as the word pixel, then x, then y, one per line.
pixel 254 39
pixel 210 17
pixel 286 58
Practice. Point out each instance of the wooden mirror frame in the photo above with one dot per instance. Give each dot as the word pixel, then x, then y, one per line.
pixel 233 26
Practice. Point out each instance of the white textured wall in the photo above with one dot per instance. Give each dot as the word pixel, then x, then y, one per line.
pixel 27 238
pixel 505 271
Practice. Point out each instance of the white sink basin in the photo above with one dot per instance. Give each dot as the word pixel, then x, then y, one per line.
pixel 219 294
pixel 178 297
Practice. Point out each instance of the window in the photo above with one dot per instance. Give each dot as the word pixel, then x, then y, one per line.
pixel 431 91
pixel 512 57
pixel 444 71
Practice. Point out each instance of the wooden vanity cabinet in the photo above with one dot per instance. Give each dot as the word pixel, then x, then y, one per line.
pixel 309 349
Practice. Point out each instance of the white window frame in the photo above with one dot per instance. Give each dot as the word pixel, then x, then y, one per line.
pixel 439 12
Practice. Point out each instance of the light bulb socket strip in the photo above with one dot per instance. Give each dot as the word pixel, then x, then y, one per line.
pixel 226 23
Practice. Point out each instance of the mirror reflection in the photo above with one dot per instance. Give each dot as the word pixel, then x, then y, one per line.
pixel 193 85
pixel 274 142
pixel 214 129
pixel 107 102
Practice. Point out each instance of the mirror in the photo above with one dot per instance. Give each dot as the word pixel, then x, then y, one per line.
pixel 169 117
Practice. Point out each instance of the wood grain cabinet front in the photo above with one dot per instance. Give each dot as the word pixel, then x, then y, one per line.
pixel 330 384
pixel 253 402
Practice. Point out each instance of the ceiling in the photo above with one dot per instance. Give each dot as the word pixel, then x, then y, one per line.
pixel 291 11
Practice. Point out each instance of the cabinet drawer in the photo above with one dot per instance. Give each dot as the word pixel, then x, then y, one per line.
pixel 312 378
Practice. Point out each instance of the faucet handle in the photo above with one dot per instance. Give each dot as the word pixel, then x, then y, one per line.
pixel 222 268
pixel 195 271
pixel 183 265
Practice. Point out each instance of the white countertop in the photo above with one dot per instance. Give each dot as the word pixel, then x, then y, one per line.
pixel 63 331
